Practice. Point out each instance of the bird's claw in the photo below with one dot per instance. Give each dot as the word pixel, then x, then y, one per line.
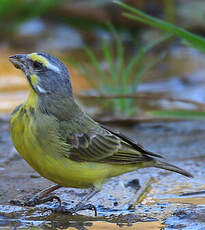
pixel 17 202
pixel 35 201
pixel 79 207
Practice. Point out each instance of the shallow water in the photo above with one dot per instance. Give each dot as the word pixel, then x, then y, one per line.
pixel 162 207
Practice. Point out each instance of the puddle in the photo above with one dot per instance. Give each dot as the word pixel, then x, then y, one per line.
pixel 196 200
pixel 192 218
pixel 75 223
pixel 25 218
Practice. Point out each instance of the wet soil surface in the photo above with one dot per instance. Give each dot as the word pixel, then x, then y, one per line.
pixel 131 201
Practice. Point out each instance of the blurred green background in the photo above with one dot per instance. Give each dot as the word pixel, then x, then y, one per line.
pixel 120 68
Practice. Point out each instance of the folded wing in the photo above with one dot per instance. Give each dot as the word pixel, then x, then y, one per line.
pixel 102 145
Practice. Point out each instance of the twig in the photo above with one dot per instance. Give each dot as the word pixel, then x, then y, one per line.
pixel 142 95
pixel 193 193
pixel 119 96
pixel 143 191
pixel 131 120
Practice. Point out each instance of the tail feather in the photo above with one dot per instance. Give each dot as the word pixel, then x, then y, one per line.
pixel 170 167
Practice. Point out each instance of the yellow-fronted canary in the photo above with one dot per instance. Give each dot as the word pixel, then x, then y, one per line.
pixel 61 142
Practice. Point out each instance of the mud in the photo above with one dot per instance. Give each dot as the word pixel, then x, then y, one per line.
pixel 161 207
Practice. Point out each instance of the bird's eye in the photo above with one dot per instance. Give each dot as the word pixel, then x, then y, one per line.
pixel 37 65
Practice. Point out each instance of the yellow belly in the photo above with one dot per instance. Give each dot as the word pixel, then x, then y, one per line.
pixel 49 162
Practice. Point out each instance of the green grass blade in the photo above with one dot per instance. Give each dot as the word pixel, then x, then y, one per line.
pixel 90 77
pixel 120 55
pixel 94 61
pixel 195 40
pixel 84 71
pixel 109 58
pixel 158 41
pixel 120 80
pixel 146 68
pixel 120 49
pixel 133 62
pixel 181 114
pixel 137 59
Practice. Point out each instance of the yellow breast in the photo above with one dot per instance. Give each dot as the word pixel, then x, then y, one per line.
pixel 35 137
pixel 23 129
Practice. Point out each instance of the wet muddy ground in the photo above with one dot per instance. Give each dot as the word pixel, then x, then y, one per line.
pixel 146 199
pixel 160 207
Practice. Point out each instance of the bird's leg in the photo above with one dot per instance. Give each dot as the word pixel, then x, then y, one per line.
pixel 80 206
pixel 39 198
pixel 193 193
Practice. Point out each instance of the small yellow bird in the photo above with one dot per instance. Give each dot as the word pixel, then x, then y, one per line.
pixel 61 142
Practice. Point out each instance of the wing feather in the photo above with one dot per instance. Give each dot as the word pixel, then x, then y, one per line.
pixel 94 145
pixel 103 145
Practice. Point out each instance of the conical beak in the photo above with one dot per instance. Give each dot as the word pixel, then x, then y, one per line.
pixel 18 60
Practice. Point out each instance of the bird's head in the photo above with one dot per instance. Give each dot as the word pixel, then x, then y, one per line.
pixel 46 74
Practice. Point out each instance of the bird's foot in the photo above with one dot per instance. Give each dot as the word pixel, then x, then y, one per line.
pixel 35 201
pixel 79 207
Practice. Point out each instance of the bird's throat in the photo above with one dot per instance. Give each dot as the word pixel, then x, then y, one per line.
pixel 32 100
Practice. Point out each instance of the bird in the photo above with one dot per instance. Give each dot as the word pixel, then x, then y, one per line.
pixel 62 142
